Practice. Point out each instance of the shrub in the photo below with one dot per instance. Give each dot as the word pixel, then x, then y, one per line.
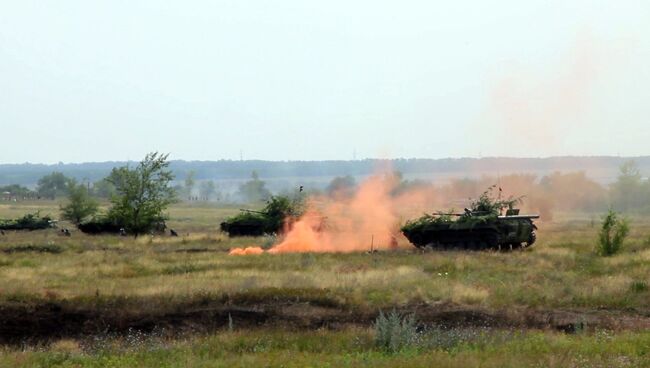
pixel 142 194
pixel 639 286
pixel 612 234
pixel 80 205
pixel 394 332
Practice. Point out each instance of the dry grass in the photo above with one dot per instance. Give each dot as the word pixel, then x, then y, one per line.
pixel 560 271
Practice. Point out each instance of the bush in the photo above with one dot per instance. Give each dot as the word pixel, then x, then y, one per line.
pixel 394 332
pixel 80 205
pixel 612 234
pixel 142 195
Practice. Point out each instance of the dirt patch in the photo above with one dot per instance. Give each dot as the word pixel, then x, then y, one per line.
pixel 47 248
pixel 21 323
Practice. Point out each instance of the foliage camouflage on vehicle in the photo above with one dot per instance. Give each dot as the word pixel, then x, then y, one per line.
pixel 482 226
pixel 31 221
pixel 270 220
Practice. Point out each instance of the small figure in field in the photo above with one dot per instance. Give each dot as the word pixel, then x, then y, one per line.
pixel 2 232
pixel 65 232
pixel 172 232
pixel 122 232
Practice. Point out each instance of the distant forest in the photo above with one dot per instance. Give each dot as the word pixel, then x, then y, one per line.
pixel 603 169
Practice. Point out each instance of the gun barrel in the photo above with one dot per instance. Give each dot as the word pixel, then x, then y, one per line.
pixel 515 217
pixel 245 210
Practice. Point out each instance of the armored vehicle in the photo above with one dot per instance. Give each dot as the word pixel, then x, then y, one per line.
pixel 104 225
pixel 277 213
pixel 30 222
pixel 483 226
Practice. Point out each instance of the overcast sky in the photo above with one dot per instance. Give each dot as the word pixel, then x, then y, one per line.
pixel 304 80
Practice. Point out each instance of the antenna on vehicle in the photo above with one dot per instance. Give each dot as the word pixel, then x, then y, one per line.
pixel 499 184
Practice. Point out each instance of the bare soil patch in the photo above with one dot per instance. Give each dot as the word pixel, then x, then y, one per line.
pixel 24 322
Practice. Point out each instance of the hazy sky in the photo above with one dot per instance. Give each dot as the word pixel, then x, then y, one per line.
pixel 304 80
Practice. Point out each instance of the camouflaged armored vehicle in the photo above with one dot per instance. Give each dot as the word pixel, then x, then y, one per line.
pixel 29 222
pixel 270 220
pixel 483 226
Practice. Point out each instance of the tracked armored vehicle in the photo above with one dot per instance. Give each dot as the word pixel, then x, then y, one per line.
pixel 270 220
pixel 29 222
pixel 479 228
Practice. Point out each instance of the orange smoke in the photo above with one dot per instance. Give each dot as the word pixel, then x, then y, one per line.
pixel 369 219
pixel 245 251
pixel 366 220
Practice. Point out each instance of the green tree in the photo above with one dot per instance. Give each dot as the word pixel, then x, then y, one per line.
pixel 80 205
pixel 254 190
pixel 613 232
pixel 53 185
pixel 142 194
pixel 103 188
pixel 17 191
pixel 628 190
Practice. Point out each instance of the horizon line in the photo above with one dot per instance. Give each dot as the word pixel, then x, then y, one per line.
pixel 61 163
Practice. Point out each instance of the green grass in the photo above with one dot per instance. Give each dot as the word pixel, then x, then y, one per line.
pixel 346 348
pixel 161 273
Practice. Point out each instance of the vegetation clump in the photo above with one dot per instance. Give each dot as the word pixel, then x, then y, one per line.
pixel 80 204
pixel 395 332
pixel 481 210
pixel 31 221
pixel 486 204
pixel 613 232
pixel 270 220
pixel 426 220
pixel 141 196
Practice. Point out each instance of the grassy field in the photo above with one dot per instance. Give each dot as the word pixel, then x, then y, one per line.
pixel 317 309
pixel 262 348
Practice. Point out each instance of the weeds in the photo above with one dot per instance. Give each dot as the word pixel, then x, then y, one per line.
pixel 613 232
pixel 639 286
pixel 394 332
pixel 185 268
pixel 45 248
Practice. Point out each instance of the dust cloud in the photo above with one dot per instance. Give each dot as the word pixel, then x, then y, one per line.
pixel 370 217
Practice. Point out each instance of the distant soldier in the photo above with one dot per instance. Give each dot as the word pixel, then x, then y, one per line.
pixel 122 232
pixel 172 232
pixel 2 232
pixel 65 232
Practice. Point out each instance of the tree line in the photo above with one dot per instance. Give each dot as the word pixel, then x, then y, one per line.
pixel 630 192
